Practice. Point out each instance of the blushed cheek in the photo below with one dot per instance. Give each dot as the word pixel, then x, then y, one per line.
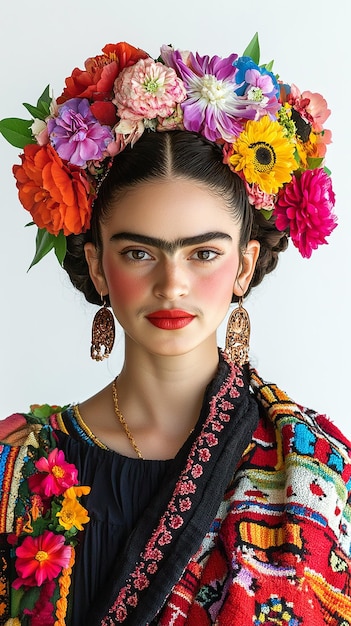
pixel 218 285
pixel 122 287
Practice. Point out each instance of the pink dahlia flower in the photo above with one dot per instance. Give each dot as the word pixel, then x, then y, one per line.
pixel 305 207
pixel 147 90
pixel 41 559
pixel 211 108
pixel 76 134
pixel 55 475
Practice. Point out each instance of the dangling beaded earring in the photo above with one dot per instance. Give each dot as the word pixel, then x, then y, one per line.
pixel 102 333
pixel 237 340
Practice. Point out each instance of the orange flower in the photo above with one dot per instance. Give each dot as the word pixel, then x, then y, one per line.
pixel 76 492
pixel 72 514
pixel 96 81
pixel 56 195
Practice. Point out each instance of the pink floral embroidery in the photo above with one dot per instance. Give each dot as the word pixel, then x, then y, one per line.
pixel 153 554
pixel 217 427
pixel 212 439
pixel 165 538
pixel 197 471
pixel 205 455
pixel 184 504
pixel 233 392
pixel 121 613
pixel 185 487
pixel 133 600
pixel 176 521
pixel 224 417
pixel 163 535
pixel 226 406
pixel 152 568
pixel 141 582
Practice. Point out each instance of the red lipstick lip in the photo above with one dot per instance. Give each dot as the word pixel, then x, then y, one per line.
pixel 170 319
pixel 169 314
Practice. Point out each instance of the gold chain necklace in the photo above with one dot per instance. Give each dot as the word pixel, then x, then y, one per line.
pixel 123 422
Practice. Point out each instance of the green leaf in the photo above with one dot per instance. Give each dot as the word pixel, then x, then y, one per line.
pixel 60 245
pixel 39 526
pixel 45 97
pixel 16 597
pixel 44 243
pixel 327 170
pixel 72 532
pixel 40 113
pixel 17 132
pixel 30 598
pixel 266 214
pixel 42 108
pixel 314 162
pixel 45 410
pixel 253 49
pixel 269 66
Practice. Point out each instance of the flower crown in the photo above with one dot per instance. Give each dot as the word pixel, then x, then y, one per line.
pixel 272 136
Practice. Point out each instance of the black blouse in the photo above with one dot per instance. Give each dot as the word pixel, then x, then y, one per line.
pixel 121 488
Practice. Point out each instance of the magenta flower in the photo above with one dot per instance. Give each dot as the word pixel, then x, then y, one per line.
pixel 43 610
pixel 147 90
pixel 211 108
pixel 41 559
pixel 55 475
pixel 76 134
pixel 305 207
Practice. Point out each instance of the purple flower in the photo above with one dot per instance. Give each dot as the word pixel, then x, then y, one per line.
pixel 76 134
pixel 257 87
pixel 212 108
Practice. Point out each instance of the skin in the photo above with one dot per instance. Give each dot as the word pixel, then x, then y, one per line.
pixel 167 245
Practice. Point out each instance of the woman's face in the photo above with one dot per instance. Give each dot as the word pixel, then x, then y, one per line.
pixel 170 264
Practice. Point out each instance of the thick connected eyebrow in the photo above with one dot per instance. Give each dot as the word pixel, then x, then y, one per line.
pixel 170 246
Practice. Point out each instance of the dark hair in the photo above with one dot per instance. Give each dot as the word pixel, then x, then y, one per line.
pixel 165 155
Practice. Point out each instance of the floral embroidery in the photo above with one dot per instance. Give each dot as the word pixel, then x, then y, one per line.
pixel 179 508
pixel 276 610
pixel 45 533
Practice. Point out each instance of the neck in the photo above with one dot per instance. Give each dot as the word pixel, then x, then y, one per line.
pixel 166 389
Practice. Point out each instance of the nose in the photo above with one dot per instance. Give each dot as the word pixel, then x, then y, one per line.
pixel 171 280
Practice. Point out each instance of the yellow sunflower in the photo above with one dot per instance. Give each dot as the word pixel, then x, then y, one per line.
pixel 264 154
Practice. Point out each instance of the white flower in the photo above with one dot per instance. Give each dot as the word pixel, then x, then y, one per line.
pixel 37 127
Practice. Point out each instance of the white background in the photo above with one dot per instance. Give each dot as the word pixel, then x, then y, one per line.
pixel 300 314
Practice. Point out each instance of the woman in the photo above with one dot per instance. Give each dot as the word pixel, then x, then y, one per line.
pixel 188 491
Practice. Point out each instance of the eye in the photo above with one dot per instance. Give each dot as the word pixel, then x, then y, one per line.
pixel 206 255
pixel 136 255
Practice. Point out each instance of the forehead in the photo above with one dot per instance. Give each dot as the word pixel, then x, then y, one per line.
pixel 170 209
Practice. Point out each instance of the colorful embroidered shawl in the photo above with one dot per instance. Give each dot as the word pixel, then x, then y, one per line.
pixel 254 527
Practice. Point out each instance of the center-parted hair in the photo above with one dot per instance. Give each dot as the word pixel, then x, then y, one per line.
pixel 168 156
